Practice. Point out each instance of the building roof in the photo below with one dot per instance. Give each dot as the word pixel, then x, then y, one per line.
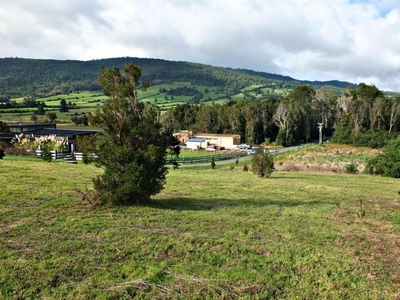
pixel 215 135
pixel 60 132
pixel 196 140
pixel 39 125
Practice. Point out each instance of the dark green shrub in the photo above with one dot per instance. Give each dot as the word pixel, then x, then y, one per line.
pixel 131 148
pixel 372 139
pixel 363 139
pixel 388 162
pixel 351 169
pixel 46 154
pixel 262 163
pixel 87 145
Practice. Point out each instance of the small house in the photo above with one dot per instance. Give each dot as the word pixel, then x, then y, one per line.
pixel 37 130
pixel 196 143
pixel 226 141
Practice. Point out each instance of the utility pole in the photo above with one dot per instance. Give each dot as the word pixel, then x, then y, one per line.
pixel 320 126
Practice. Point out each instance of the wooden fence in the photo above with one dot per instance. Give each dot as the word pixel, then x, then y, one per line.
pixel 55 154
pixel 206 158
pixel 63 155
pixel 180 160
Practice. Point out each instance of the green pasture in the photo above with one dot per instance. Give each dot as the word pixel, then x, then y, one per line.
pixel 252 87
pixel 26 114
pixel 239 96
pixel 210 234
pixel 155 95
pixel 86 98
pixel 90 100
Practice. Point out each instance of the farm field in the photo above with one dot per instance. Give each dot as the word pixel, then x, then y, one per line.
pixel 81 99
pixel 217 234
pixel 158 94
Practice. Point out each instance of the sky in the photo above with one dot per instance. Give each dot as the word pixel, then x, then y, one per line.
pixel 349 40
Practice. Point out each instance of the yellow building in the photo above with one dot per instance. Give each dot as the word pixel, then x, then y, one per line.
pixel 227 141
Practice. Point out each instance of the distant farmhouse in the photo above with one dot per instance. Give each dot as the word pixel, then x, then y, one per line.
pixel 194 141
pixel 36 130
pixel 208 141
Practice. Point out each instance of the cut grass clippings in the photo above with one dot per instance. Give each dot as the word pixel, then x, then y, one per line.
pixel 218 234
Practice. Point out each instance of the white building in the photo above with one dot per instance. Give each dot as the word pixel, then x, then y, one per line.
pixel 196 143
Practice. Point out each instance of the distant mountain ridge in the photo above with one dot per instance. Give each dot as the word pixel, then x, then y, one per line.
pixel 21 77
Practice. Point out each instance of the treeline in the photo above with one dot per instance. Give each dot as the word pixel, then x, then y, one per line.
pixel 361 116
pixel 251 119
pixel 31 102
pixel 38 78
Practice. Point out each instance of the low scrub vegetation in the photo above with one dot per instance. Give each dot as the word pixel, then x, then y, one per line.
pixel 386 163
pixel 220 234
pixel 327 158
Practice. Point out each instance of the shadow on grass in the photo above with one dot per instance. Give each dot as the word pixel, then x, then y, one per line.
pixel 184 203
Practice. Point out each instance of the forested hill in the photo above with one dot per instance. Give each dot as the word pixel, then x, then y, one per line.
pixel 38 77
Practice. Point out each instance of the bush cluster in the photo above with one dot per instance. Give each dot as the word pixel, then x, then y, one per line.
pixel 262 163
pixel 19 151
pixel 388 162
pixel 367 139
pixel 351 169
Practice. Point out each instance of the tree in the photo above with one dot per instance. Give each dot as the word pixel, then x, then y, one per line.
pixel 51 116
pixel 87 145
pixel 262 163
pixel 80 120
pixel 30 102
pixel 377 113
pixel 282 118
pixel 34 117
pixel 294 116
pixel 85 121
pixel 368 94
pixel 394 113
pixel 325 108
pixel 352 111
pixel 63 106
pixel 40 109
pixel 304 123
pixel 3 127
pixel 131 147
pixel 212 163
pixel 2 153
pixel 46 151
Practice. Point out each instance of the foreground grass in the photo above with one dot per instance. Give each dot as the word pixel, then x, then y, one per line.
pixel 220 233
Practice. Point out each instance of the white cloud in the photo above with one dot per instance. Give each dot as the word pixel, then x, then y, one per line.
pixel 353 40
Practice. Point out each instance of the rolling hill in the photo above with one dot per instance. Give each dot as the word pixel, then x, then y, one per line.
pixel 21 77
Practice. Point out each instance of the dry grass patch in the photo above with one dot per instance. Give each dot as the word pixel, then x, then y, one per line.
pixel 325 158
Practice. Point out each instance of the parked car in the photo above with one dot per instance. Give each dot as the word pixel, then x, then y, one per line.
pixel 244 146
pixel 254 150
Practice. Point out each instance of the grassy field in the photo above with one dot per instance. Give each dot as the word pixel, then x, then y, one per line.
pixel 157 94
pixel 80 99
pixel 216 234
